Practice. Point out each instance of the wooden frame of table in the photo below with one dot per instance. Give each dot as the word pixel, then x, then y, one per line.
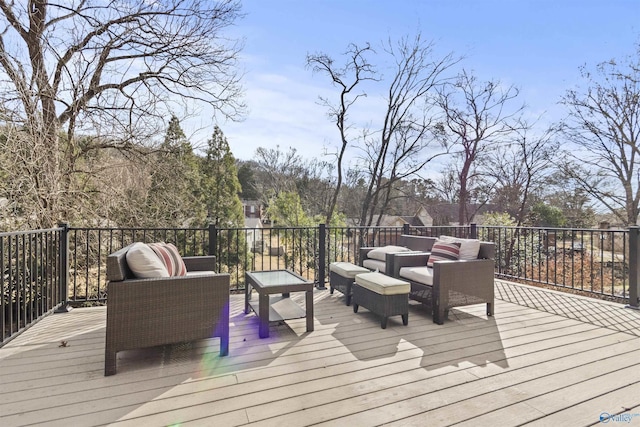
pixel 276 308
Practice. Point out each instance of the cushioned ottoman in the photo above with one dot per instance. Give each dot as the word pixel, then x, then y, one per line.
pixel 382 295
pixel 342 275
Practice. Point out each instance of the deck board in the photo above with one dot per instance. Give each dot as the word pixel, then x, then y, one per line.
pixel 557 361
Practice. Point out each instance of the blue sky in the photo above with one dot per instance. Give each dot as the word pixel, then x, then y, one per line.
pixel 535 45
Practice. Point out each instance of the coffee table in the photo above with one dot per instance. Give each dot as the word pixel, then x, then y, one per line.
pixel 276 308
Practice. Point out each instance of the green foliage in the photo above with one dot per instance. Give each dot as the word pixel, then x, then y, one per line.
pixel 498 219
pixel 247 180
pixel 174 196
pixel 286 210
pixel 220 183
pixel 517 248
pixel 220 195
pixel 543 215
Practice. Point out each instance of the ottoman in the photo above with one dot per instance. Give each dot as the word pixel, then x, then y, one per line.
pixel 341 276
pixel 382 295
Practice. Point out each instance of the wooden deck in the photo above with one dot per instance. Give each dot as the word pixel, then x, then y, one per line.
pixel 544 359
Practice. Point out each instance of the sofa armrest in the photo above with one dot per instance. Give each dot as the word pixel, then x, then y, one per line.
pixel 468 277
pixel 408 259
pixel 200 263
pixel 364 254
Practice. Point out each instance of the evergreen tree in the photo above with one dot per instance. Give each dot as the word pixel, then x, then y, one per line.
pixel 221 186
pixel 224 208
pixel 174 197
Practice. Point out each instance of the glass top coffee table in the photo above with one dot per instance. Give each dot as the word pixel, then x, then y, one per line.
pixel 276 308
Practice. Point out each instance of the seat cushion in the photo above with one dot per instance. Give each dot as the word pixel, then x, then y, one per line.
pixel 144 263
pixel 375 265
pixel 381 252
pixel 382 284
pixel 444 251
pixel 200 273
pixel 421 274
pixel 346 269
pixel 469 248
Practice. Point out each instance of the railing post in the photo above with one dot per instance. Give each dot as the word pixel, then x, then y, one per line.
pixel 634 268
pixel 213 239
pixel 473 231
pixel 63 267
pixel 322 255
pixel 405 229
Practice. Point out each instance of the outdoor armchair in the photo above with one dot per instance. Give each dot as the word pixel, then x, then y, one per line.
pixel 166 310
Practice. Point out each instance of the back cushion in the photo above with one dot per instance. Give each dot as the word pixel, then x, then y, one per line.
pixel 144 263
pixel 469 248
pixel 170 257
pixel 444 251
pixel 381 252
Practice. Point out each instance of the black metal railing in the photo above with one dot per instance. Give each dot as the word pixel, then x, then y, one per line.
pixel 33 271
pixel 89 247
pixel 586 260
pixel 47 269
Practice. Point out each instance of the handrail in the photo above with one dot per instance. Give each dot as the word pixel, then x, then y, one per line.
pixel 44 270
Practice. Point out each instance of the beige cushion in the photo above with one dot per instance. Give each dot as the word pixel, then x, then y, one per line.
pixel 383 285
pixel 346 269
pixel 374 264
pixel 422 275
pixel 200 273
pixel 381 252
pixel 144 263
pixel 469 248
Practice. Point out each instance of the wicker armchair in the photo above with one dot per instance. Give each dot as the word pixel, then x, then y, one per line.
pixel 151 312
pixel 413 243
pixel 454 283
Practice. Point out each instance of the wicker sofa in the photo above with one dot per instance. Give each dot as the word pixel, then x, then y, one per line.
pixel 449 283
pixel 384 256
pixel 158 311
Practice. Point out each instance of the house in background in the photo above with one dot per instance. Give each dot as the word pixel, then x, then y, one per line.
pixel 252 209
pixel 420 219
pixel 253 233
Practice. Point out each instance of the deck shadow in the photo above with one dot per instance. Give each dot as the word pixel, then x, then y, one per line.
pixel 464 339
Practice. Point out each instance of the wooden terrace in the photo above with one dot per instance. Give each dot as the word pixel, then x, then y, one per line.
pixel 546 358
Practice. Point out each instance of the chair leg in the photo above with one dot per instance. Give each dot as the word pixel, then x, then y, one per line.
pixel 405 319
pixel 224 345
pixel 109 363
pixel 489 309
pixel 383 323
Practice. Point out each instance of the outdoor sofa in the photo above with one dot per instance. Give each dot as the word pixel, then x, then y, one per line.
pixel 450 283
pixel 147 312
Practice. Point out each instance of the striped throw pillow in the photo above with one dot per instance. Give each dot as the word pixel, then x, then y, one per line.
pixel 443 251
pixel 170 257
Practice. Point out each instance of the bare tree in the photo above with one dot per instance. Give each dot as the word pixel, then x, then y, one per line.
pixel 347 78
pixel 400 143
pixel 603 128
pixel 405 142
pixel 110 69
pixel 477 118
pixel 520 170
pixel 278 172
